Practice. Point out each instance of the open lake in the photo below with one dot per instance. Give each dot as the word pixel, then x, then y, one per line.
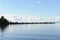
pixel 31 32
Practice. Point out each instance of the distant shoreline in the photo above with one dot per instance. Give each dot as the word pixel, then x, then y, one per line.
pixel 32 23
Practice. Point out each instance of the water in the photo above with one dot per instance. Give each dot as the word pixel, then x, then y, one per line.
pixel 31 32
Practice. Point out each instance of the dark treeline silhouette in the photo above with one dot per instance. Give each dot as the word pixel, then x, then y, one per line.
pixel 4 22
pixel 32 23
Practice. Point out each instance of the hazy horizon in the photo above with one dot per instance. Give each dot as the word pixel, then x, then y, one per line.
pixel 17 18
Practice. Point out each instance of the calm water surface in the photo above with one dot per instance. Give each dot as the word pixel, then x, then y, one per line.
pixel 31 32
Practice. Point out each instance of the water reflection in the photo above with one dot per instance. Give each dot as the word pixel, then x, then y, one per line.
pixel 2 29
pixel 30 32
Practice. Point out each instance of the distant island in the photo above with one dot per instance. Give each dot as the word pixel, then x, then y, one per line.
pixel 4 21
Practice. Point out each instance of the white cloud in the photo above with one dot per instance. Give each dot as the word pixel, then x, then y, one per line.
pixel 18 18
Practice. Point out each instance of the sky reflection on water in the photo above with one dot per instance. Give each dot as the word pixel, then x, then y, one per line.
pixel 31 32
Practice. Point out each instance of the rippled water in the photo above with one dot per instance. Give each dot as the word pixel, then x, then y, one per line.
pixel 31 32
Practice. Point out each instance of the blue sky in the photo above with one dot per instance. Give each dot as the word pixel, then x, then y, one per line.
pixel 42 8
